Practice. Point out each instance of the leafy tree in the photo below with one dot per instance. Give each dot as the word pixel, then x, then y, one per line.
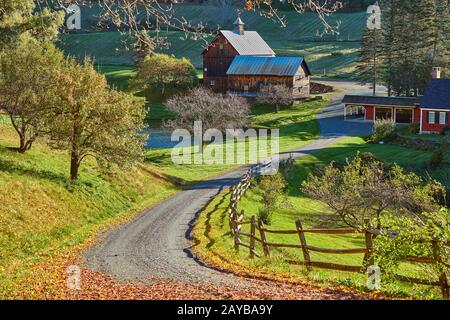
pixel 427 237
pixel 26 87
pixel 215 111
pixel 365 190
pixel 91 120
pixel 18 17
pixel 159 71
pixel 370 57
pixel 276 95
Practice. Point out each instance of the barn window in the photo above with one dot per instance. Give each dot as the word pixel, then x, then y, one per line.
pixel 212 82
pixel 221 46
pixel 245 89
pixel 442 117
pixel 431 117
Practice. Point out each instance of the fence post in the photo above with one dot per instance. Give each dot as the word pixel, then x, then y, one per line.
pixel 302 238
pixel 237 240
pixel 252 238
pixel 232 209
pixel 263 239
pixel 368 256
pixel 443 282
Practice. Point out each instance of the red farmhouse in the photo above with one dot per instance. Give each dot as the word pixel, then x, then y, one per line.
pixel 431 111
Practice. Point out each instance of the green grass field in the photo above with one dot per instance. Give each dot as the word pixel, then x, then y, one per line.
pixel 106 48
pixel 326 54
pixel 215 244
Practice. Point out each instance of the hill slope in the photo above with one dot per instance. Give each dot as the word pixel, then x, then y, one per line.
pixel 301 37
pixel 41 215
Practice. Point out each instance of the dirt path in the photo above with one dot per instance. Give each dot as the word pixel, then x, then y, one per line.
pixel 156 243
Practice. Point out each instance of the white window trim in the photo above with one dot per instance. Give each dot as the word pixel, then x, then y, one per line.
pixel 431 113
pixel 442 117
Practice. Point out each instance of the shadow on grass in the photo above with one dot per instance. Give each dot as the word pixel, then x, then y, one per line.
pixel 15 168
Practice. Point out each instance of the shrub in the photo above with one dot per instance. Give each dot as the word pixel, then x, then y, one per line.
pixel 436 159
pixel 414 128
pixel 383 130
pixel 273 188
pixel 446 130
pixel 265 216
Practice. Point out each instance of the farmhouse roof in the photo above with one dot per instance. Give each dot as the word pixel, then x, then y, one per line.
pixel 248 44
pixel 268 66
pixel 381 101
pixel 437 94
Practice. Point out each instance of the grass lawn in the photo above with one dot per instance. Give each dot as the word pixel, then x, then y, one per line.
pixel 214 243
pixel 42 216
pixel 433 137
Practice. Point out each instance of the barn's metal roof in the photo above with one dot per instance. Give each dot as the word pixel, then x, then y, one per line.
pixel 437 94
pixel 381 101
pixel 268 66
pixel 248 44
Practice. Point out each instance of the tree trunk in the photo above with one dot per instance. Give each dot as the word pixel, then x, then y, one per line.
pixel 22 147
pixel 374 75
pixel 163 92
pixel 74 166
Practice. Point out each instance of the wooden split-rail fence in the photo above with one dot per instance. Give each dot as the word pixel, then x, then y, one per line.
pixel 258 234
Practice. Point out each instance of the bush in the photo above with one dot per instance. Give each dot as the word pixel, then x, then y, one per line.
pixel 383 130
pixel 414 128
pixel 265 216
pixel 446 130
pixel 273 188
pixel 436 159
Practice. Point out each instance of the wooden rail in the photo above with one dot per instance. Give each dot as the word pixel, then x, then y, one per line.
pixel 236 220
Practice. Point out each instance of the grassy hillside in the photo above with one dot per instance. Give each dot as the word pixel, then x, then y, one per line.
pixel 330 54
pixel 42 215
pixel 216 245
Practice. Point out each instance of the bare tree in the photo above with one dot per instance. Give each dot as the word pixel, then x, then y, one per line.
pixel 276 95
pixel 215 111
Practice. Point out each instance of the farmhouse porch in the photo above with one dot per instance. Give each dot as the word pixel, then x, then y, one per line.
pixel 402 110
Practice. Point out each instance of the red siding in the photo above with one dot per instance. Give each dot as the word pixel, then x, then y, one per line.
pixel 427 127
pixel 217 61
pixel 370 114
pixel 416 115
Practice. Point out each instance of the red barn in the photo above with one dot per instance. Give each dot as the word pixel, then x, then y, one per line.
pixel 240 62
pixel 220 53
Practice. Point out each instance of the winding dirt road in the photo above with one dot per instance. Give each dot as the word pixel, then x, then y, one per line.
pixel 157 242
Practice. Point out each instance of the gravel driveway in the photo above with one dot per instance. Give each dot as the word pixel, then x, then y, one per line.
pixel 156 243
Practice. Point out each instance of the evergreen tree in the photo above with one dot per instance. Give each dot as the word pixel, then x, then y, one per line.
pixel 370 57
pixel 441 45
pixel 415 39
